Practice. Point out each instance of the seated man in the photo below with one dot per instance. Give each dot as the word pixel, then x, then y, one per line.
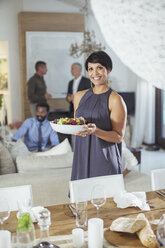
pixel 37 131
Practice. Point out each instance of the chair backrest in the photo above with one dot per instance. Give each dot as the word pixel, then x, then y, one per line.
pixel 15 194
pixel 158 179
pixel 80 190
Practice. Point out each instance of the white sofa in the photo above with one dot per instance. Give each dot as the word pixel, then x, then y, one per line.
pixel 49 174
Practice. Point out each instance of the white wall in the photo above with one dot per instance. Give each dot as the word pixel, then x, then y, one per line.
pixel 122 78
pixel 9 10
pixel 48 6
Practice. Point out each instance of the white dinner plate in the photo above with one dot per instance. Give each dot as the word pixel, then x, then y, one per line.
pixel 67 129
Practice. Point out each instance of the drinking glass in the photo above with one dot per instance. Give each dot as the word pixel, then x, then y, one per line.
pixel 25 231
pixel 81 214
pixel 161 230
pixel 24 205
pixel 24 240
pixel 4 210
pixel 98 197
pixel 14 240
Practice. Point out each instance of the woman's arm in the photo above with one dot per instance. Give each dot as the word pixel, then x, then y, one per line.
pixel 118 119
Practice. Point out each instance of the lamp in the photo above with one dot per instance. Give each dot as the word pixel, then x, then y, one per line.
pixel 88 44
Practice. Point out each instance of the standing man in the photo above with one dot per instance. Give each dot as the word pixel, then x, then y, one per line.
pixel 77 84
pixel 37 131
pixel 37 92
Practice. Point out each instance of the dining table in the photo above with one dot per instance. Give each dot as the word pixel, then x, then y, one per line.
pixel 63 220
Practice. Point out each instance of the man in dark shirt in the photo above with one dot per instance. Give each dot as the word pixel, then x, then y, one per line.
pixel 37 90
pixel 77 84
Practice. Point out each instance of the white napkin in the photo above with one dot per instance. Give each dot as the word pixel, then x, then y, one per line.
pixel 134 199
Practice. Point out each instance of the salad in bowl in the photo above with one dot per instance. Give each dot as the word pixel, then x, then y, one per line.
pixel 69 125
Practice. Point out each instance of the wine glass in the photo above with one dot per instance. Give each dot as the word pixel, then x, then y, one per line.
pixel 98 197
pixel 161 230
pixel 4 210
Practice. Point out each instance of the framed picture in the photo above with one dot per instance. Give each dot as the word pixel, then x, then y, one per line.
pixel 53 48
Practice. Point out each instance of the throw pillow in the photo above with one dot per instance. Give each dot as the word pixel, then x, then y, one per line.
pixel 31 163
pixel 18 148
pixel 6 163
pixel 129 161
pixel 62 148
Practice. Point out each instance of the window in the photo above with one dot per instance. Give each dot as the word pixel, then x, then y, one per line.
pixel 160 117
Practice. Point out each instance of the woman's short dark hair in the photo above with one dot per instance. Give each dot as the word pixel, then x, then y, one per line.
pixel 99 57
pixel 43 104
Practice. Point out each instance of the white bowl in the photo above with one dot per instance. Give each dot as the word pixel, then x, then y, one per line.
pixel 67 129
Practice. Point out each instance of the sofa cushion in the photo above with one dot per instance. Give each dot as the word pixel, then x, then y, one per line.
pixel 6 163
pixel 32 163
pixel 62 148
pixel 48 188
pixel 18 148
pixel 136 181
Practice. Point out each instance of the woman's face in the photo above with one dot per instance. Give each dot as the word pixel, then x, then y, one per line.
pixel 97 73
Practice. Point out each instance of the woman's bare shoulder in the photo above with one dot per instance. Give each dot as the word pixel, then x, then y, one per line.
pixel 79 94
pixel 115 98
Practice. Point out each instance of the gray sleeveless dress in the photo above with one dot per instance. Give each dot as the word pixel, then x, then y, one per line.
pixel 93 156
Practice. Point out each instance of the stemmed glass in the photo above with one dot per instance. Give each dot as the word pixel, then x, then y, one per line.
pixel 161 230
pixel 98 197
pixel 4 210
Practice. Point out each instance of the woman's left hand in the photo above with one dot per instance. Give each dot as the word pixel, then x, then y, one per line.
pixel 90 129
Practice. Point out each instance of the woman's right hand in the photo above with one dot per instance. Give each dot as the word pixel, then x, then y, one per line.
pixel 88 130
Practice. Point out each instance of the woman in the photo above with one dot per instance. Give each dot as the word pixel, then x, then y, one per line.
pixel 96 150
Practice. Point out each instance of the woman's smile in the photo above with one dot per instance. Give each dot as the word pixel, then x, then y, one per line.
pixel 96 78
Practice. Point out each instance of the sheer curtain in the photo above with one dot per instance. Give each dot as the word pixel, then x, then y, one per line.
pixel 135 30
pixel 144 126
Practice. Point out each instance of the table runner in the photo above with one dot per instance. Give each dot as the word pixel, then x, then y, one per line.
pixel 65 241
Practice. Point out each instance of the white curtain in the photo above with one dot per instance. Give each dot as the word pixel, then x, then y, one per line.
pixel 135 30
pixel 143 128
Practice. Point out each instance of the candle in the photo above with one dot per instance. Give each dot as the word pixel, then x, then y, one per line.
pixel 95 233
pixel 78 237
pixel 5 239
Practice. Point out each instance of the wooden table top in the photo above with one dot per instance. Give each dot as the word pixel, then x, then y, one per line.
pixel 63 220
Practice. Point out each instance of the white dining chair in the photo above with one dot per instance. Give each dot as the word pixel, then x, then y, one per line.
pixel 80 190
pixel 16 194
pixel 158 179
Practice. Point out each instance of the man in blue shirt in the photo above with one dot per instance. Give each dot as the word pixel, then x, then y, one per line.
pixel 37 131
